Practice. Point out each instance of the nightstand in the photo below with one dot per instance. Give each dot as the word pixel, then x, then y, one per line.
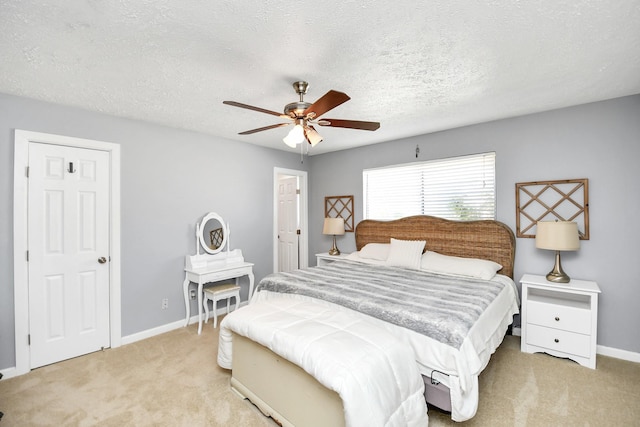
pixel 560 319
pixel 324 258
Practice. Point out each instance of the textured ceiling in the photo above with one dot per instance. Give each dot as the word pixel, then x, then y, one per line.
pixel 415 66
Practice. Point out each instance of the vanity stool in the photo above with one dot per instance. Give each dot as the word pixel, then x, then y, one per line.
pixel 218 293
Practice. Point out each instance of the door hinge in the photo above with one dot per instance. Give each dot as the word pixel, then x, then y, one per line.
pixel 297 191
pixel 29 339
pixel 298 231
pixel 27 171
pixel 27 256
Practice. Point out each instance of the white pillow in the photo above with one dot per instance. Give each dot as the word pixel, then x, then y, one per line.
pixel 468 267
pixel 354 256
pixel 379 251
pixel 406 253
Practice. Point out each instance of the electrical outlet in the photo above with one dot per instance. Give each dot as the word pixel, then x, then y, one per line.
pixel 192 294
pixel 165 303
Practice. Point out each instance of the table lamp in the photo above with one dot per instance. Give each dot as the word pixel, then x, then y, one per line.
pixel 334 226
pixel 557 236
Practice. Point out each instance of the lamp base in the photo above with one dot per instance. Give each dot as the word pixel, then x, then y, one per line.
pixel 557 275
pixel 334 249
pixel 555 278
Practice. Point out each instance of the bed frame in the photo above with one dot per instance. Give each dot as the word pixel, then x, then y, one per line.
pixel 292 397
pixel 490 240
pixel 281 389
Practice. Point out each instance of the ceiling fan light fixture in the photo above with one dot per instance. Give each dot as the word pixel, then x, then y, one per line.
pixel 295 136
pixel 305 115
pixel 312 136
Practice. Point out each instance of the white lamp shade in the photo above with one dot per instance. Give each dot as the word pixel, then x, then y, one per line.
pixel 557 235
pixel 295 136
pixel 333 226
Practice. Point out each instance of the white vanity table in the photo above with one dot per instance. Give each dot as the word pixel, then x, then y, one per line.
pixel 214 266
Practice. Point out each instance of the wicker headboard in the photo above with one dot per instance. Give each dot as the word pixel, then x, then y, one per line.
pixel 490 240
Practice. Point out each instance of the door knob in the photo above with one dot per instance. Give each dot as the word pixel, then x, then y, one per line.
pixel 102 260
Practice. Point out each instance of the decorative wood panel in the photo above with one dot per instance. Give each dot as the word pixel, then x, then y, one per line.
pixel 216 237
pixel 563 200
pixel 340 207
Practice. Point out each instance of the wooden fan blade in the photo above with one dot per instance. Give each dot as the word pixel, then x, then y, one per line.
pixel 312 136
pixel 352 124
pixel 249 132
pixel 258 109
pixel 329 100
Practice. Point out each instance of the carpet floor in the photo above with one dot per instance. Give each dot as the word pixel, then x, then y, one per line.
pixel 173 380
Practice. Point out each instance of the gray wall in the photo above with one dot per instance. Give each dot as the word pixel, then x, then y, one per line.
pixel 598 141
pixel 170 178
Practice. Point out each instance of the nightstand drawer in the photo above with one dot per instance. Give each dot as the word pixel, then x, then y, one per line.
pixel 543 312
pixel 555 339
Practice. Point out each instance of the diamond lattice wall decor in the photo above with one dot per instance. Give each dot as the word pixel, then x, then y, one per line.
pixel 564 200
pixel 340 206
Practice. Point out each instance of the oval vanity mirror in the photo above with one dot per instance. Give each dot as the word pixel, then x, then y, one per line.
pixel 213 233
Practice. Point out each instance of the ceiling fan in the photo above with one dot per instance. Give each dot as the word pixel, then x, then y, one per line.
pixel 304 116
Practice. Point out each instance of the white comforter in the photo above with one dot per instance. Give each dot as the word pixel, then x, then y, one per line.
pixel 374 373
pixel 461 366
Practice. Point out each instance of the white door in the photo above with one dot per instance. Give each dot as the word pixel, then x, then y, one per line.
pixel 288 224
pixel 68 243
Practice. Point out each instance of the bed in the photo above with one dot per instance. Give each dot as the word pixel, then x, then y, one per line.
pixel 449 355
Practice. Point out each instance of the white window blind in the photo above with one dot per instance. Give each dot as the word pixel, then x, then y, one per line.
pixel 458 188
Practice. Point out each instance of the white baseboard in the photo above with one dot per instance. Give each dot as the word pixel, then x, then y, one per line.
pixel 618 354
pixel 602 350
pixel 139 336
pixel 168 327
pixel 9 373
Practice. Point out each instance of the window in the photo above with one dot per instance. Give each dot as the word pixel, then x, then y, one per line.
pixel 458 188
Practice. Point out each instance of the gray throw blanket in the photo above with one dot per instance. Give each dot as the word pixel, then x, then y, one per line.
pixel 441 307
